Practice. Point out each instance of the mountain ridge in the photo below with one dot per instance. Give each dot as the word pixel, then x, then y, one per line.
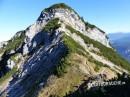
pixel 57 47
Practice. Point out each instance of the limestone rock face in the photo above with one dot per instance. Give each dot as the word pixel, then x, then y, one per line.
pixel 10 64
pixel 67 16
pixel 38 53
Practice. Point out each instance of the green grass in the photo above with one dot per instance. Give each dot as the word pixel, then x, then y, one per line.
pixel 1 50
pixel 52 25
pixel 14 58
pixel 15 42
pixel 62 66
pixel 72 47
pixel 7 75
pixel 108 53
pixel 56 6
pixel 98 65
pixel 60 5
pixel 88 25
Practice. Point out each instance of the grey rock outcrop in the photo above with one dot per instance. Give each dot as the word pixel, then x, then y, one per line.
pixel 69 18
pixel 2 44
pixel 41 51
pixel 10 64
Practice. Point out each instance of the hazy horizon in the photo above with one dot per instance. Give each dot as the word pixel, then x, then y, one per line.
pixel 111 16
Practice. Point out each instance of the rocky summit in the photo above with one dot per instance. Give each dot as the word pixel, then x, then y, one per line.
pixel 55 55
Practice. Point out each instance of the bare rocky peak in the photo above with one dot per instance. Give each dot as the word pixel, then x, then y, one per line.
pixel 67 16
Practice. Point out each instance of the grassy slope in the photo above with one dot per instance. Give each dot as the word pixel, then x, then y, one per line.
pixel 7 75
pixel 60 5
pixel 108 53
pixel 68 71
pixel 51 25
pixel 65 65
pixel 74 47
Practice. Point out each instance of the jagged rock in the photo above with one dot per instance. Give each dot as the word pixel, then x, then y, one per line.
pixel 12 52
pixel 10 64
pixel 68 17
pixel 40 52
pixel 2 44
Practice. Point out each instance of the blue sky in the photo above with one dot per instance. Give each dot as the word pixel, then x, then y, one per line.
pixel 109 15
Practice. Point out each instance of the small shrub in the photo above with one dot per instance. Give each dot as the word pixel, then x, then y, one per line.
pixel 15 42
pixel 60 5
pixel 98 65
pixel 72 47
pixel 52 25
pixel 88 25
pixel 9 74
pixel 15 58
pixel 63 63
pixel 61 68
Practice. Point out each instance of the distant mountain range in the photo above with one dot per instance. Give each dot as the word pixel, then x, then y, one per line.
pixel 121 42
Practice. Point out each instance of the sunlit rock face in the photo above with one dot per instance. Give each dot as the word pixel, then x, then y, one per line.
pixel 68 17
pixel 41 51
